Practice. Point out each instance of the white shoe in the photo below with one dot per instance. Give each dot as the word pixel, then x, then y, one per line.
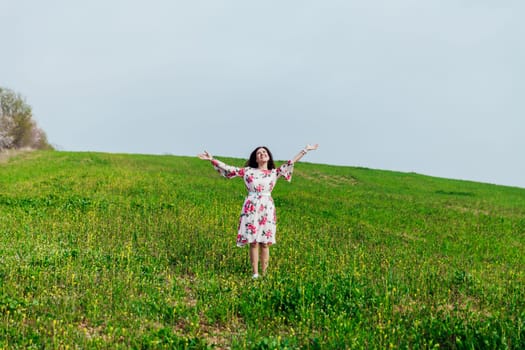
pixel 255 276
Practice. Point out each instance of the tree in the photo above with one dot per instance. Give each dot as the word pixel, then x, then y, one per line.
pixel 6 125
pixel 17 128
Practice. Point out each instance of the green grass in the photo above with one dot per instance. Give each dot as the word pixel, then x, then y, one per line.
pixel 135 251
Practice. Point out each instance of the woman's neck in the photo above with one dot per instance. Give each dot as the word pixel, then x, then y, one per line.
pixel 263 166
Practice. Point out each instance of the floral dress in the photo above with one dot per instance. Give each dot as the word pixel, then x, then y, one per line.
pixel 258 220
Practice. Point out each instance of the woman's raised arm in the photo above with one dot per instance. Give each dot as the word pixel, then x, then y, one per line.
pixel 304 151
pixel 225 170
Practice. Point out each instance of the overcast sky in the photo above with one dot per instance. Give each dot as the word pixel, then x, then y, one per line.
pixel 429 86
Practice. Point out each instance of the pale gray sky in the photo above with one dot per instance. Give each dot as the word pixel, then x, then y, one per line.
pixel 430 86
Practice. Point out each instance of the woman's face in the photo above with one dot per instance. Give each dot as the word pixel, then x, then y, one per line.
pixel 262 156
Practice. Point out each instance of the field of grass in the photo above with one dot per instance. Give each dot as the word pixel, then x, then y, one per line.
pixel 135 251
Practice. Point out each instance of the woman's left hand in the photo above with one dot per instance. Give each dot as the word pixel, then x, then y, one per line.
pixel 311 147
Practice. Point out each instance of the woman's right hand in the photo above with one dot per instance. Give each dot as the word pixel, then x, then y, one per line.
pixel 205 156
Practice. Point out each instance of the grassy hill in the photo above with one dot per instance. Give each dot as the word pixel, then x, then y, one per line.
pixel 118 251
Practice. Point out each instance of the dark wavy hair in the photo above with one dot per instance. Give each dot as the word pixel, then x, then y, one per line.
pixel 252 162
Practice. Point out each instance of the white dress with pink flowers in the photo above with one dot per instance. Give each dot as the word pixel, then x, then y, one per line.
pixel 258 220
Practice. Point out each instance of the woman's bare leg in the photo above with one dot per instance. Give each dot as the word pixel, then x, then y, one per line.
pixel 265 257
pixel 254 257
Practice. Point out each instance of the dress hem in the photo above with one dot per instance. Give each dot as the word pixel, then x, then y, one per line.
pixel 242 245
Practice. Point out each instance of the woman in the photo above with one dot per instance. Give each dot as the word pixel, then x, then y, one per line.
pixel 257 222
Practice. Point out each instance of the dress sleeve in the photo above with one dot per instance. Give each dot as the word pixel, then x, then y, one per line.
pixel 286 171
pixel 227 171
